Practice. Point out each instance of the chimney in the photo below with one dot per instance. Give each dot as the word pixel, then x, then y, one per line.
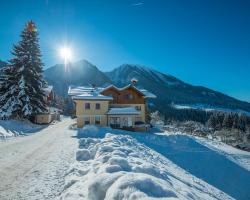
pixel 133 81
pixel 93 87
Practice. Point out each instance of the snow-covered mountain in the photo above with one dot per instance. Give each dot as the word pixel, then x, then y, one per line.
pixel 172 90
pixel 78 73
pixel 167 88
pixel 2 63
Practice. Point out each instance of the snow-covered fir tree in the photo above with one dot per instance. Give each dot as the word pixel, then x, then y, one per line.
pixel 9 103
pixel 22 82
pixel 228 121
pixel 212 121
pixel 156 118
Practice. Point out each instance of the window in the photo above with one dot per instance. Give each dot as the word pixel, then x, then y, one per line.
pixel 97 120
pixel 86 120
pixel 138 119
pixel 87 106
pixel 97 106
pixel 138 107
pixel 128 96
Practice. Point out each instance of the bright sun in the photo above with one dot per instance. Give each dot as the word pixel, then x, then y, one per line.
pixel 66 53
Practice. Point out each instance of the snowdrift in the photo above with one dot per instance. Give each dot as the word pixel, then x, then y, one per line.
pixel 12 128
pixel 110 166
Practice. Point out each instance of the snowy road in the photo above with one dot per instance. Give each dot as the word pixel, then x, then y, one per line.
pixel 34 167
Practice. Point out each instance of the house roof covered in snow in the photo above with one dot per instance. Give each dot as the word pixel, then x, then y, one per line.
pixel 92 95
pixel 123 111
pixel 74 91
pixel 147 94
pixel 144 92
pixel 124 88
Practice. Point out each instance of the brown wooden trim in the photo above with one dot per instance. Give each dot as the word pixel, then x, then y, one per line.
pixel 119 95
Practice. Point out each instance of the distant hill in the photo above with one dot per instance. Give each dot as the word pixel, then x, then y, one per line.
pixel 167 88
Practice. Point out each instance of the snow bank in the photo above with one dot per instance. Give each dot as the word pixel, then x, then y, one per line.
pixel 12 128
pixel 114 166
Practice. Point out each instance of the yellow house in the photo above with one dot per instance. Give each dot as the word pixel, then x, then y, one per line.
pixel 111 106
pixel 91 109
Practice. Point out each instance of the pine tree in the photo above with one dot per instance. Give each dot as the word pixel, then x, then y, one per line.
pixel 236 121
pixel 242 122
pixel 228 121
pixel 212 121
pixel 22 93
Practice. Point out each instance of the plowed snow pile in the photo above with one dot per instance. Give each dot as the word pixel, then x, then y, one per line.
pixel 119 167
pixel 12 128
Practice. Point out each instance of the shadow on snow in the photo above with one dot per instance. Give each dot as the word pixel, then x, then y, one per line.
pixel 20 127
pixel 195 158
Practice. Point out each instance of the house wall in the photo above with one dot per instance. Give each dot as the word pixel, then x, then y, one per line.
pixel 81 112
pixel 132 128
pixel 142 106
pixel 119 101
pixel 121 117
pixel 80 120
pixel 43 118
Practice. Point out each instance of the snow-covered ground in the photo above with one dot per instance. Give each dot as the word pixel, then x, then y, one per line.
pixel 115 164
pixel 220 165
pixel 238 156
pixel 12 128
pixel 34 167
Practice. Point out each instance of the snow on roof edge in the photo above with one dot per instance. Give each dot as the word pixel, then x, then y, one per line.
pixel 92 96
pixel 74 91
pixel 123 111
pixel 144 92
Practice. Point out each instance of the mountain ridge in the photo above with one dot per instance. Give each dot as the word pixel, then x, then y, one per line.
pixel 177 90
pixel 168 88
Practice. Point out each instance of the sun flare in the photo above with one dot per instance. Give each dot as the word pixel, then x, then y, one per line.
pixel 66 53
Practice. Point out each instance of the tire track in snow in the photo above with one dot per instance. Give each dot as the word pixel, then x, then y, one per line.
pixel 38 163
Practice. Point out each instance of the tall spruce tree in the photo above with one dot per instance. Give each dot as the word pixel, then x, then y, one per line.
pixel 22 92
pixel 9 103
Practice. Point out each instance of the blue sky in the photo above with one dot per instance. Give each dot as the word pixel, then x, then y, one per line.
pixel 201 42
